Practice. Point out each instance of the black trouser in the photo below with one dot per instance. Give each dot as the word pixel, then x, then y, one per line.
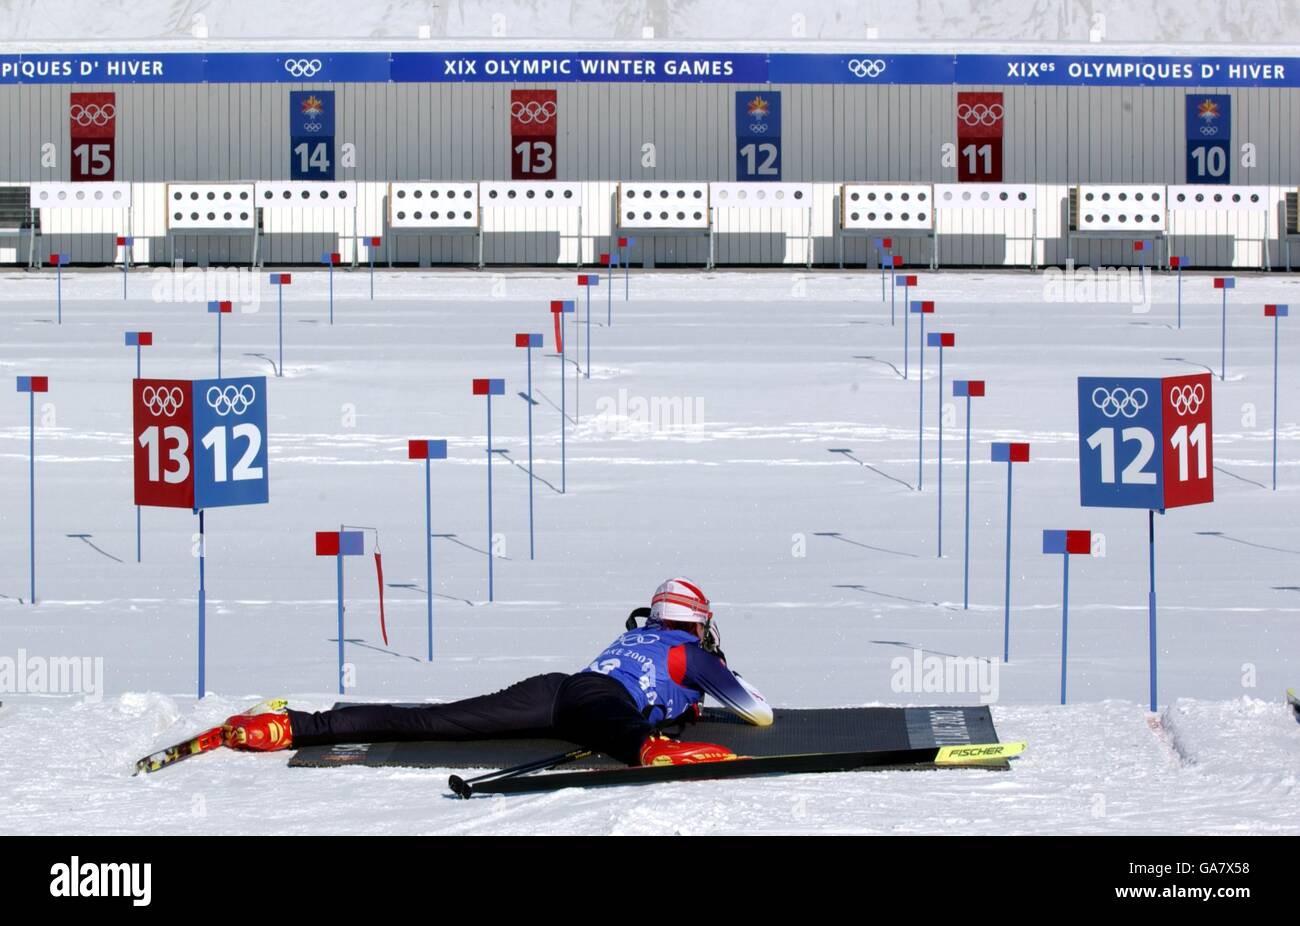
pixel 589 709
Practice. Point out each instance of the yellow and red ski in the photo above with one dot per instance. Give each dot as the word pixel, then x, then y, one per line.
pixel 206 741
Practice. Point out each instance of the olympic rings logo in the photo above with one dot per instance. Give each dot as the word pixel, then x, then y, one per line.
pixel 303 67
pixel 1209 130
pixel 638 639
pixel 758 128
pixel 532 111
pixel 231 400
pixel 163 402
pixel 1187 399
pixel 92 114
pixel 1119 401
pixel 312 126
pixel 979 114
pixel 866 67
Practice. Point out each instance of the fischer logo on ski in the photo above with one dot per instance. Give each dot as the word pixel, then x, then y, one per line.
pixel 957 754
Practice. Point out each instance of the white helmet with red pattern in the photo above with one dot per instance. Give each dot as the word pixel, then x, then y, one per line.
pixel 680 600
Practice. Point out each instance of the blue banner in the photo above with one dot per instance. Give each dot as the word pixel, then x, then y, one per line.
pixel 758 135
pixel 586 67
pixel 311 135
pixel 866 67
pixel 130 68
pixel 1209 138
pixel 298 67
pixel 1125 71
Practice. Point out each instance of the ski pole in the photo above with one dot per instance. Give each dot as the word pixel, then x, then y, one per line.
pixel 464 787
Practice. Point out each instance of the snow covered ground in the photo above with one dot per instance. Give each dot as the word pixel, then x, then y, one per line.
pixel 56 22
pixel 822 565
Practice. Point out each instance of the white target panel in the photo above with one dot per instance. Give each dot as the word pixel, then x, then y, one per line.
pixel 985 196
pixel 886 206
pixel 428 204
pixel 1219 198
pixel 760 195
pixel 211 206
pixel 1120 207
pixel 98 195
pixel 663 205
pixel 305 194
pixel 529 194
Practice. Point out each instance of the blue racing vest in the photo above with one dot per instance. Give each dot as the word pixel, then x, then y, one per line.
pixel 638 660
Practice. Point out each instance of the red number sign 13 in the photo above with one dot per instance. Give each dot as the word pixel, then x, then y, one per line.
pixel 533 121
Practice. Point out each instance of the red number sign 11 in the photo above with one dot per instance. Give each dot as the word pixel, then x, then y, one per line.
pixel 979 137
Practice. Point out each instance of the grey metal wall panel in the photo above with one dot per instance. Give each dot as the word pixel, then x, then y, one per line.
pixel 831 133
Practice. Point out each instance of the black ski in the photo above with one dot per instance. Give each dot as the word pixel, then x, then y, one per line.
pixel 975 755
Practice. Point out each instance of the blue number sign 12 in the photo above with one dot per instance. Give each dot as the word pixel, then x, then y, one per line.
pixel 230 453
pixel 1121 461
pixel 758 135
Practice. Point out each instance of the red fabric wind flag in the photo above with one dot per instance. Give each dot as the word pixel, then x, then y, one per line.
pixel 379 574
pixel 557 312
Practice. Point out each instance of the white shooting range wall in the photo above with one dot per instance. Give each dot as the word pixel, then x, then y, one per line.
pixel 966 234
pixel 748 215
pixel 988 223
pixel 1248 216
pixel 537 222
pixel 1055 137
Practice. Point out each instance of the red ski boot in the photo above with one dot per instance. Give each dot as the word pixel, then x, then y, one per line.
pixel 258 732
pixel 660 750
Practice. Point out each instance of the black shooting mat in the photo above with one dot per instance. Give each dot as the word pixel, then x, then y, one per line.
pixel 794 732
